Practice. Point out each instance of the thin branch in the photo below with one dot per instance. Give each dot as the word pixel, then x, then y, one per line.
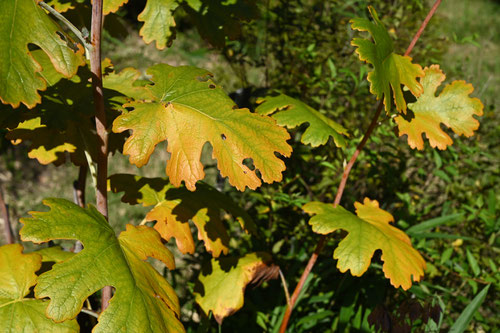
pixel 79 186
pixel 100 119
pixel 341 187
pixel 9 238
pixel 60 17
pixel 285 288
pixel 90 312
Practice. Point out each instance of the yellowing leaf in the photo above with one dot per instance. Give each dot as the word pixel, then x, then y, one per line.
pixel 61 5
pixel 19 71
pixel 188 110
pixel 158 22
pixel 175 207
pixel 143 301
pixel 452 107
pixel 292 113
pixel 18 313
pixel 222 284
pixel 367 232
pixel 111 6
pixel 390 69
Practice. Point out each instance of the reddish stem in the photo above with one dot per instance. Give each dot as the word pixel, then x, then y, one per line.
pixel 343 181
pixel 100 120
pixel 9 238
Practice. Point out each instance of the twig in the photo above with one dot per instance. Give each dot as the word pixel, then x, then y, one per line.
pixel 100 120
pixel 285 288
pixel 79 186
pixel 9 238
pixel 79 197
pixel 90 312
pixel 60 17
pixel 345 175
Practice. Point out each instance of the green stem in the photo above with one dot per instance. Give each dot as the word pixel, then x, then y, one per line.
pixel 78 33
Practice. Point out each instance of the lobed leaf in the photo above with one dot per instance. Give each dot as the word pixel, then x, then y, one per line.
pixel 452 107
pixel 175 207
pixel 291 113
pixel 222 283
pixel 19 313
pixel 158 22
pixel 143 301
pixel 19 70
pixel 390 69
pixel 367 232
pixel 188 110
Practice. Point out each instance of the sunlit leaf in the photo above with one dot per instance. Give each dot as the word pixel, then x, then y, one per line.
pixel 158 22
pixel 291 113
pixel 452 107
pixel 188 109
pixel 19 313
pixel 367 232
pixel 390 69
pixel 175 207
pixel 19 71
pixel 222 283
pixel 143 301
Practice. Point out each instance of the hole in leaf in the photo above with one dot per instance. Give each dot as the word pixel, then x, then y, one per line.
pixel 223 137
pixel 249 163
pixel 212 86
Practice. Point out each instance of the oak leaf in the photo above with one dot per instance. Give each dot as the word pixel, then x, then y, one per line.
pixel 452 107
pixel 390 69
pixel 175 207
pixel 20 72
pixel 367 232
pixel 19 313
pixel 291 113
pixel 222 283
pixel 143 301
pixel 188 109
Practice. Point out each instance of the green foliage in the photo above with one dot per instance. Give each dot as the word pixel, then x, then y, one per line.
pixel 19 71
pixel 443 200
pixel 143 301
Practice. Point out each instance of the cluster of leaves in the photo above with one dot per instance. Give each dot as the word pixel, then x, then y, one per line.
pixel 185 107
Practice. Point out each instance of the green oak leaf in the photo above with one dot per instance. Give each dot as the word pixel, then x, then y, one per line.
pixel 143 301
pixel 367 232
pixel 452 107
pixel 54 254
pixel 390 69
pixel 158 22
pixel 20 72
pixel 175 207
pixel 291 113
pixel 17 312
pixel 188 109
pixel 222 282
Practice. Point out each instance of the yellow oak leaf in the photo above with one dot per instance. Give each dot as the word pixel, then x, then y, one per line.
pixel 367 232
pixel 188 110
pixel 452 107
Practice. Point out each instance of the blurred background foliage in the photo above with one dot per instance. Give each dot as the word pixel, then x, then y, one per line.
pixel 447 201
